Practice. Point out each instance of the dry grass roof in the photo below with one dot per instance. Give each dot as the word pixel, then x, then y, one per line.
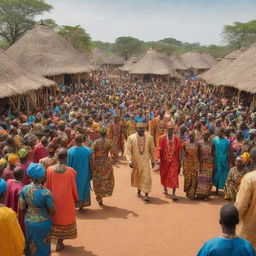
pixel 211 74
pixel 178 63
pixel 43 51
pixel 15 80
pixel 129 64
pixel 114 60
pixel 155 64
pixel 240 73
pixel 195 60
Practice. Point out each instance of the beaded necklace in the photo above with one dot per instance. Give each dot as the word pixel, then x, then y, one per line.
pixel 141 143
pixel 170 153
pixel 228 236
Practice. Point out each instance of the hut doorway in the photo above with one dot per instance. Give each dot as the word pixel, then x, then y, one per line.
pixel 67 79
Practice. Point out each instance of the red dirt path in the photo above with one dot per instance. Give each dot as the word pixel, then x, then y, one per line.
pixel 129 227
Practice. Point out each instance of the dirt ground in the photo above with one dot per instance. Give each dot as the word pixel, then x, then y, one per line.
pixel 127 226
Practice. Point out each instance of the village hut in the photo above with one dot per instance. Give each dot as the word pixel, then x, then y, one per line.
pixel 112 64
pixel 43 51
pixel 211 74
pixel 195 62
pixel 129 64
pixel 154 64
pixel 179 64
pixel 18 86
pixel 209 59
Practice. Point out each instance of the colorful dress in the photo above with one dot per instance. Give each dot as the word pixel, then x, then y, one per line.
pixel 48 161
pixel 61 181
pixel 191 167
pixel 102 172
pixel 204 179
pixel 221 149
pixel 233 183
pixel 79 160
pixel 37 199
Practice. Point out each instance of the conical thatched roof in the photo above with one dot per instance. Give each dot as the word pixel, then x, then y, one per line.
pixel 155 64
pixel 178 63
pixel 98 57
pixel 43 51
pixel 129 64
pixel 114 60
pixel 241 73
pixel 15 80
pixel 195 60
pixel 209 59
pixel 211 74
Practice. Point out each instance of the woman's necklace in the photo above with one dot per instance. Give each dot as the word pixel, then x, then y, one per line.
pixel 228 236
pixel 141 143
pixel 170 153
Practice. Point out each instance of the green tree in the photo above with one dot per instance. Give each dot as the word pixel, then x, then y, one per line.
pixel 127 47
pixel 240 34
pixel 52 24
pixel 78 37
pixel 17 16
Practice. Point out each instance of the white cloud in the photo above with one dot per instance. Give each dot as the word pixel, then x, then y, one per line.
pixel 187 20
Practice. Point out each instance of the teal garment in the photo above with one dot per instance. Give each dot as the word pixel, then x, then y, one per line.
pixel 221 147
pixel 38 223
pixel 78 159
pixel 227 247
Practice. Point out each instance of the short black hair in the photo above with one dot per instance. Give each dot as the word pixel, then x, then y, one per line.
pixel 229 215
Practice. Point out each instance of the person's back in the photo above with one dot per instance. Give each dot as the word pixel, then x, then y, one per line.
pixel 221 246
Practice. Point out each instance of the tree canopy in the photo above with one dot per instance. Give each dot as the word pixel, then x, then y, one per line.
pixel 17 16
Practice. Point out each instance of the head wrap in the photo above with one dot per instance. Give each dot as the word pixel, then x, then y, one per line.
pixel 3 186
pixel 252 131
pixel 13 159
pixel 3 162
pixel 36 171
pixel 3 132
pixel 142 125
pixel 170 124
pixel 23 153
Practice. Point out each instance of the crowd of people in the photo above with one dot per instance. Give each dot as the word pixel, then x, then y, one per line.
pixel 50 156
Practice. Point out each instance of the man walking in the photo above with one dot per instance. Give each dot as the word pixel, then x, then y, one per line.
pixel 140 154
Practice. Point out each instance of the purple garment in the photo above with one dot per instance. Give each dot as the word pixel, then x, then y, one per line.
pixel 7 174
pixel 12 199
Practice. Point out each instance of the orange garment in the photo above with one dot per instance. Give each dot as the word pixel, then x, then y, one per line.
pixel 61 181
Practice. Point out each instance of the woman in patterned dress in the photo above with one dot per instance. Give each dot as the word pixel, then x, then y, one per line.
pixel 204 179
pixel 51 159
pixel 234 178
pixel 37 203
pixel 191 165
pixel 102 171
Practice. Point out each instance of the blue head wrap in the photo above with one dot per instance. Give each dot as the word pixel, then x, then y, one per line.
pixel 3 186
pixel 36 171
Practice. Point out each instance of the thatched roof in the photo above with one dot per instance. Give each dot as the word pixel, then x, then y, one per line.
pixel 241 73
pixel 195 60
pixel 98 57
pixel 178 63
pixel 129 64
pixel 15 80
pixel 154 63
pixel 211 74
pixel 43 51
pixel 114 60
pixel 209 59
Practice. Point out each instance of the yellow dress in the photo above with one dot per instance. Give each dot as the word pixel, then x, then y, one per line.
pixel 141 174
pixel 246 205
pixel 12 242
pixel 130 128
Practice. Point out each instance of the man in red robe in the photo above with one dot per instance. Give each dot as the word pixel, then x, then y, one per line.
pixel 169 154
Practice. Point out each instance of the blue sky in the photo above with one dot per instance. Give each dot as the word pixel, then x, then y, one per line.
pixel 187 20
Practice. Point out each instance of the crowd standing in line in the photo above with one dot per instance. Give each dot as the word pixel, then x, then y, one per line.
pixel 50 155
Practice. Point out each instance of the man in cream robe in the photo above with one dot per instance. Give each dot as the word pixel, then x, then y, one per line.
pixel 246 203
pixel 140 154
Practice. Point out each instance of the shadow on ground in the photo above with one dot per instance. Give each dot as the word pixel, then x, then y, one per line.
pixel 105 213
pixel 75 250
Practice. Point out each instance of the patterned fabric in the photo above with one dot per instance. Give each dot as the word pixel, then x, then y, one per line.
pixel 36 198
pixel 64 231
pixel 48 161
pixel 233 183
pixel 102 173
pixel 204 179
pixel 191 168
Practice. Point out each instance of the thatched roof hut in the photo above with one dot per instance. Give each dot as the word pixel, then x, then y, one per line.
pixel 209 59
pixel 194 60
pixel 129 64
pixel 241 73
pixel 153 63
pixel 98 57
pixel 114 61
pixel 211 74
pixel 15 80
pixel 178 63
pixel 43 51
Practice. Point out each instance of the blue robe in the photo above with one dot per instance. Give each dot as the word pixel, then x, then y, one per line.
pixel 221 147
pixel 78 159
pixel 227 247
